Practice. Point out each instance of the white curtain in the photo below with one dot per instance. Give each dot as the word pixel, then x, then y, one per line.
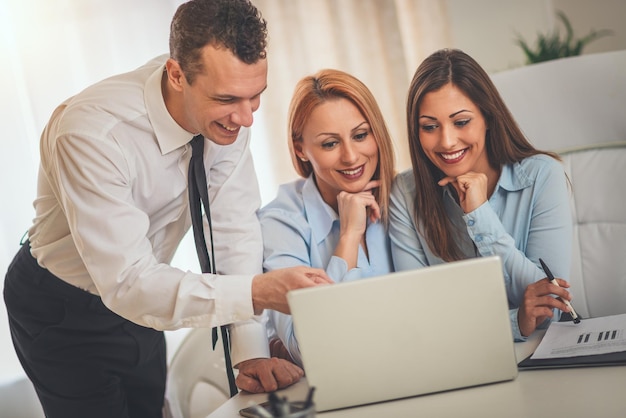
pixel 379 41
pixel 52 49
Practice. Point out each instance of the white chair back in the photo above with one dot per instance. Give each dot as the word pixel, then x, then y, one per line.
pixel 598 275
pixel 569 103
pixel 577 107
pixel 196 382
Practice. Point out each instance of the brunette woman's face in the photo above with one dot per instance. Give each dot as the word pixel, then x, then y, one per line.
pixel 452 132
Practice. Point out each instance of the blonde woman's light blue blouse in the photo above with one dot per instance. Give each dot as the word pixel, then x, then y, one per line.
pixel 300 229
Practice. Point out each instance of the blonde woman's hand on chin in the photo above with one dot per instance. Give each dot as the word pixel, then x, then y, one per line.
pixel 354 207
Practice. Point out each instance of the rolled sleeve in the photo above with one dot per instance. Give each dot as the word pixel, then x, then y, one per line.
pixel 406 249
pixel 486 230
pixel 517 334
pixel 283 326
pixel 337 270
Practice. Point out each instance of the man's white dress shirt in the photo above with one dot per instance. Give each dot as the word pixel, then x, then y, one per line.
pixel 112 207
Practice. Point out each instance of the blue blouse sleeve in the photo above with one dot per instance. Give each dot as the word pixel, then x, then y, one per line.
pixel 287 241
pixel 542 228
pixel 542 222
pixel 406 248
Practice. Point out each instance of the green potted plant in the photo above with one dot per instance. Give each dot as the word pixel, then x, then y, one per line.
pixel 550 46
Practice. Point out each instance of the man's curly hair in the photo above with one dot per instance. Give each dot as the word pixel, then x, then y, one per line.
pixel 236 25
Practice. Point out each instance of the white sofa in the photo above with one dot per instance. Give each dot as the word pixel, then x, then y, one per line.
pixel 577 107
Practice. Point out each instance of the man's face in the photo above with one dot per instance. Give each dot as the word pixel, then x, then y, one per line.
pixel 222 98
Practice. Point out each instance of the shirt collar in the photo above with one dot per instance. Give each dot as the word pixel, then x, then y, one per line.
pixel 169 134
pixel 319 214
pixel 514 178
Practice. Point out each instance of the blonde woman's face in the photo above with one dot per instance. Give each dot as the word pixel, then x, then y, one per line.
pixel 338 142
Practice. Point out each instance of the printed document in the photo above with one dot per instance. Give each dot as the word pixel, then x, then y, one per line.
pixel 591 336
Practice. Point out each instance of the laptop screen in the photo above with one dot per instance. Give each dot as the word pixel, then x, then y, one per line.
pixel 405 334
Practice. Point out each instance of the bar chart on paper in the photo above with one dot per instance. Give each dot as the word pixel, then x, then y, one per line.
pixel 602 336
pixel 591 336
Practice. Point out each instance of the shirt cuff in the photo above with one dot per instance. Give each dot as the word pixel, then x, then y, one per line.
pixel 248 340
pixel 233 300
pixel 484 228
pixel 338 270
pixel 517 334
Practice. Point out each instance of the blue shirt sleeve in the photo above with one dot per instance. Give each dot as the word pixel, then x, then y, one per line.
pixel 406 248
pixel 289 241
pixel 286 241
pixel 528 217
pixel 533 222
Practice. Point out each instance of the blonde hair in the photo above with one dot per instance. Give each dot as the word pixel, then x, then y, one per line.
pixel 329 84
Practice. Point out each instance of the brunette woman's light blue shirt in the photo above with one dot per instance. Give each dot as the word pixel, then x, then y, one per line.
pixel 300 229
pixel 527 217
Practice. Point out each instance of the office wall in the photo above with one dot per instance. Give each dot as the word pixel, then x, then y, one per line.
pixel 486 29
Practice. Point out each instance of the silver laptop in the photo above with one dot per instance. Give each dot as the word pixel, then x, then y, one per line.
pixel 405 334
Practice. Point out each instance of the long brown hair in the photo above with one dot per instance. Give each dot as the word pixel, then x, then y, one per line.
pixel 329 84
pixel 504 141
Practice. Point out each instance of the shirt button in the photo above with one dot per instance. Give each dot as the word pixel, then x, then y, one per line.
pixel 479 238
pixel 471 222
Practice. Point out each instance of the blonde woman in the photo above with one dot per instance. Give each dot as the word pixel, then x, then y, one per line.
pixel 335 217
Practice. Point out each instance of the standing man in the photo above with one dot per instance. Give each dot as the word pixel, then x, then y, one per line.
pixel 90 292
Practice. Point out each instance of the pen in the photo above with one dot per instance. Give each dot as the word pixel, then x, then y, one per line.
pixel 572 312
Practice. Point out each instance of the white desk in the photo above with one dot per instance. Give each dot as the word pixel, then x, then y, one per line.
pixel 572 393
